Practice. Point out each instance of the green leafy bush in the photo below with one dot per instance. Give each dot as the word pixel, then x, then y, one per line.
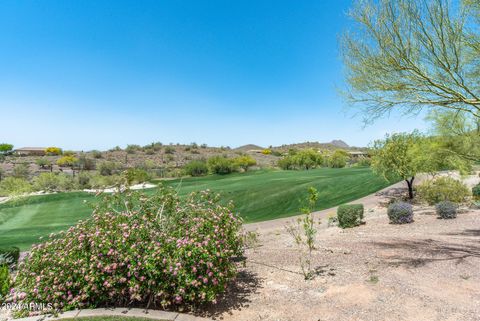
pixel 12 186
pixel 350 215
pixel 245 162
pixel 476 191
pixel 443 189
pixel 53 182
pixel 10 253
pixel 136 175
pixel 400 213
pixel 108 168
pixel 303 159
pixel 338 159
pixel 5 281
pixel 446 209
pixel 196 168
pixel 21 171
pixel 221 165
pixel 137 249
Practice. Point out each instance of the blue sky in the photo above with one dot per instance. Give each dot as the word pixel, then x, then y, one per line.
pixel 96 74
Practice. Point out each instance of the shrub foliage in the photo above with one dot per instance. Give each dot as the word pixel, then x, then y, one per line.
pixel 400 213
pixel 350 215
pixel 446 210
pixel 443 189
pixel 136 249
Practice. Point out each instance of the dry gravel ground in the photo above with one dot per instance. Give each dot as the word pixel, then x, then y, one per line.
pixel 427 270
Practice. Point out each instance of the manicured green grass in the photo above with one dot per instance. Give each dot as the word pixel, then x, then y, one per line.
pixel 22 223
pixel 266 195
pixel 258 196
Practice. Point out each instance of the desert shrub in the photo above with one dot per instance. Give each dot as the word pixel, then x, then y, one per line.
pixel 10 254
pixel 196 168
pixel 400 213
pixel 21 171
pixel 136 175
pixel 5 281
pixel 363 162
pixel 100 181
pixel 446 209
pixel 169 150
pixel 286 163
pixel 96 154
pixel 307 159
pixel 132 148
pixel 476 191
pixel 108 168
pixel 443 189
pixel 159 250
pixel 203 146
pixel 67 161
pixel 221 165
pixel 338 159
pixel 303 159
pixel 83 180
pixel 47 182
pixel 53 151
pixel 350 215
pixel 12 186
pixel 85 163
pixel 149 151
pixel 266 151
pixel 245 162
pixel 43 162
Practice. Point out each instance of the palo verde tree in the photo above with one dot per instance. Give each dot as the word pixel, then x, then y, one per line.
pixel 68 161
pixel 412 54
pixel 396 157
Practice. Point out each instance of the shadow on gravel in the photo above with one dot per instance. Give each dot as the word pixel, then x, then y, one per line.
pixel 237 295
pixel 467 232
pixel 419 253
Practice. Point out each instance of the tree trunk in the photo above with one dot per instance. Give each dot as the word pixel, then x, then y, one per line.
pixel 410 187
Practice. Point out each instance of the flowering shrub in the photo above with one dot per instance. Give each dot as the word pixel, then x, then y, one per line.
pixel 400 213
pixel 137 250
pixel 446 210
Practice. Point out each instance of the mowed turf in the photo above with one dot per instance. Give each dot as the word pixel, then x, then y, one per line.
pixel 258 196
pixel 266 195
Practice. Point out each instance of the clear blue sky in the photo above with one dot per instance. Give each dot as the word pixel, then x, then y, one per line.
pixel 95 74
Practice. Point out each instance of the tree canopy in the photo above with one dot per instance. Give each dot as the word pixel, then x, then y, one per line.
pixel 411 54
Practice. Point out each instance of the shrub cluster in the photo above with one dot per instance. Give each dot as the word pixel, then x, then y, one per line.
pixel 11 186
pixel 11 254
pixel 221 165
pixel 303 159
pixel 443 189
pixel 196 168
pixel 5 281
pixel 400 213
pixel 476 191
pixel 446 209
pixel 350 215
pixel 137 249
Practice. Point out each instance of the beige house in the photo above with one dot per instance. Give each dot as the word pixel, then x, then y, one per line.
pixel 30 151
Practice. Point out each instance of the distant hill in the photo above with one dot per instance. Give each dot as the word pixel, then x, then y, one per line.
pixel 339 143
pixel 334 144
pixel 248 147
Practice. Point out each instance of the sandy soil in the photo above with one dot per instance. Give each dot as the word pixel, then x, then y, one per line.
pixel 427 270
